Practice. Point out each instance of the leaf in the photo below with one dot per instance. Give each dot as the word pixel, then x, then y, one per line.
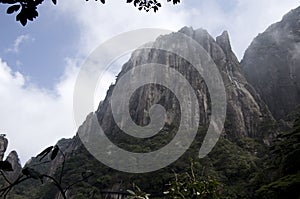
pixel 54 152
pixel 54 2
pixel 176 1
pixel 37 2
pixel 45 152
pixel 13 9
pixel 22 18
pixel 136 2
pixel 23 21
pixel 8 1
pixel 158 4
pixel 129 1
pixel 102 1
pixel 131 192
pixel 5 166
pixel 29 13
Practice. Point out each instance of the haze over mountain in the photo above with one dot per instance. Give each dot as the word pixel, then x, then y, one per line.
pixel 272 65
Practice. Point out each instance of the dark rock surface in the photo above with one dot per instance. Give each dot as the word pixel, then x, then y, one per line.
pixel 3 146
pixel 246 112
pixel 13 158
pixel 272 65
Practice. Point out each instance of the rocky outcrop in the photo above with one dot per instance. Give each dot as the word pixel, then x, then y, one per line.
pixel 272 65
pixel 246 112
pixel 13 158
pixel 3 146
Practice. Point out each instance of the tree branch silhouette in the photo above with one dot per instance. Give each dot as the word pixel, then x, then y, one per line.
pixel 27 9
pixel 30 173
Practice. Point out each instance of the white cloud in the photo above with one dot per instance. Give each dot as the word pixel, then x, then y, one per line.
pixel 33 117
pixel 244 19
pixel 17 43
pixel 98 22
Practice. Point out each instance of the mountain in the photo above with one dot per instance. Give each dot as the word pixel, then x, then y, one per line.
pixel 272 65
pixel 249 125
pixel 252 158
pixel 244 105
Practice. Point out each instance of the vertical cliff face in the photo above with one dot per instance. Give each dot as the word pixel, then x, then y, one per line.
pixel 247 115
pixel 272 65
pixel 246 112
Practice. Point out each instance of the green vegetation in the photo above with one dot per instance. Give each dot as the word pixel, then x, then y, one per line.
pixel 29 172
pixel 137 193
pixel 239 168
pixel 188 185
pixel 281 176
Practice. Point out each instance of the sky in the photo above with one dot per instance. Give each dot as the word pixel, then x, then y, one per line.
pixel 39 63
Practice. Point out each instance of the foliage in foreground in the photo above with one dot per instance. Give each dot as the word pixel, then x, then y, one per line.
pixel 187 186
pixel 30 173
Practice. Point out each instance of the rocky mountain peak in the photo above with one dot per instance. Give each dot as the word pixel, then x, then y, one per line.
pixel 246 110
pixel 13 158
pixel 272 65
pixel 187 30
pixel 224 42
pixel 3 146
pixel 293 15
pixel 199 34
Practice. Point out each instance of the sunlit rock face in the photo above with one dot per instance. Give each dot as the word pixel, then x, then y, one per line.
pixel 272 65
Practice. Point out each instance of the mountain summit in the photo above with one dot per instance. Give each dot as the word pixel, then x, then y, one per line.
pixel 272 65
pixel 246 112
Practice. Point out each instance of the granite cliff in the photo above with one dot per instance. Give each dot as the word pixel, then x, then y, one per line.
pixel 272 65
pixel 246 112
